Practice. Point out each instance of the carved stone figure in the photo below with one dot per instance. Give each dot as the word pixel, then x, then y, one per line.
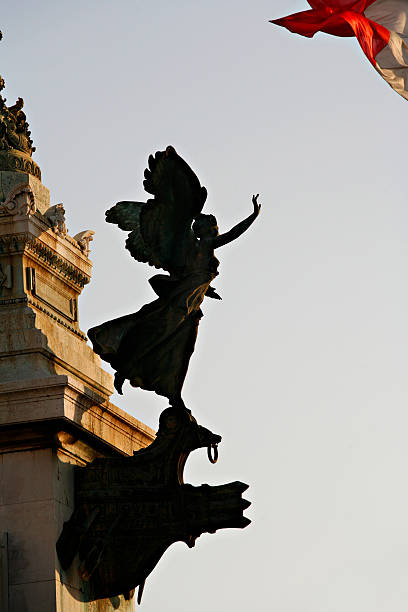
pixel 14 132
pixel 83 239
pixel 20 201
pixel 129 510
pixel 16 146
pixel 56 217
pixel 152 347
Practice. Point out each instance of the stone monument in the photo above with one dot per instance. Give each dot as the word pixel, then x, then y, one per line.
pixel 90 498
pixel 129 510
pixel 55 412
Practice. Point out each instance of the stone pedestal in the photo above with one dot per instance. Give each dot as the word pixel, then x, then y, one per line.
pixel 55 411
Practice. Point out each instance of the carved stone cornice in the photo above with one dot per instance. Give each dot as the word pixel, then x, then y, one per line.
pixel 13 301
pixel 21 203
pixel 55 318
pixel 52 259
pixel 20 162
pixel 11 243
pixel 14 243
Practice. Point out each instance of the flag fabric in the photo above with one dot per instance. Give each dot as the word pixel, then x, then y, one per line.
pixel 380 26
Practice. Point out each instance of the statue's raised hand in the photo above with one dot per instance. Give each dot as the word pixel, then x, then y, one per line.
pixel 257 207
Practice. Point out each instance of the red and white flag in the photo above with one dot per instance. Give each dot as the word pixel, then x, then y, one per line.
pixel 380 26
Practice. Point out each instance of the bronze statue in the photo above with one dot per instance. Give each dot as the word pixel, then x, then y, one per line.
pixel 14 132
pixel 152 347
pixel 129 510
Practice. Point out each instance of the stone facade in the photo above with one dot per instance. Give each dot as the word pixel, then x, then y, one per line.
pixel 55 411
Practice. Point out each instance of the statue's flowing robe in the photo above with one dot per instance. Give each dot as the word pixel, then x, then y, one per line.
pixel 152 347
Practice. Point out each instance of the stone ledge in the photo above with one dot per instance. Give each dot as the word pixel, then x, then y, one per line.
pixel 64 397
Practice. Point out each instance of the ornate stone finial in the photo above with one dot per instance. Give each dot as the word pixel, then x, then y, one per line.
pixel 16 145
pixel 14 132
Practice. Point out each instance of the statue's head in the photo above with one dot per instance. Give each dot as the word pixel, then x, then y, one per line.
pixel 2 83
pixel 205 226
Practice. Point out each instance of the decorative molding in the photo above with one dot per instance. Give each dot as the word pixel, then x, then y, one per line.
pixel 57 319
pixel 18 242
pixel 20 201
pixel 53 260
pixel 14 161
pixel 11 301
pixel 72 240
pixel 11 243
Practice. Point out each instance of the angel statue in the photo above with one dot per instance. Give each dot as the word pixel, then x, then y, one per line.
pixel 152 347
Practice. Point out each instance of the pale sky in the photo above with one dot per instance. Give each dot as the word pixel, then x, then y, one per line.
pixel 302 368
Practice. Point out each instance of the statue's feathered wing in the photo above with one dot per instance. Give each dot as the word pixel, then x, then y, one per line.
pixel 160 229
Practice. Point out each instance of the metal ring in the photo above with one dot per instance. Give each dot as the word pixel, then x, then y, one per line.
pixel 212 458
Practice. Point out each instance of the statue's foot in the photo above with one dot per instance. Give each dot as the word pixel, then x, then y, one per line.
pixel 177 402
pixel 118 383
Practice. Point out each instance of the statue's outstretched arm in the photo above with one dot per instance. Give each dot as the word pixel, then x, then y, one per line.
pixel 240 228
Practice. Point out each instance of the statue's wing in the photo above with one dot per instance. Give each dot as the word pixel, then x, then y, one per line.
pixel 161 228
pixel 126 215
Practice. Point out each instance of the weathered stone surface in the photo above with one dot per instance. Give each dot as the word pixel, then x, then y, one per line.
pixel 42 272
pixel 32 597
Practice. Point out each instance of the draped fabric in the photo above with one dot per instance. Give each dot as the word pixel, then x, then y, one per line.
pixel 152 347
pixel 380 26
